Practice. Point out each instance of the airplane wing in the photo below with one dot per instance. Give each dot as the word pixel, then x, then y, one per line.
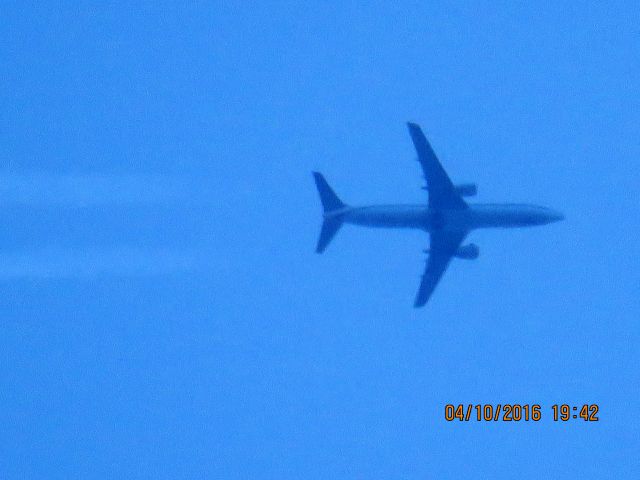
pixel 442 193
pixel 444 245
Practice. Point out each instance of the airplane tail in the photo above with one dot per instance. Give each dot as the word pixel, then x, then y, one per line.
pixel 332 218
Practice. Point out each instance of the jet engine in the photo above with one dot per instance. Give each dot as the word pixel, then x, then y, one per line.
pixel 468 252
pixel 467 189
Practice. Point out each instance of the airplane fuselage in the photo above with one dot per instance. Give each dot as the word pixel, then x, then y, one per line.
pixel 487 215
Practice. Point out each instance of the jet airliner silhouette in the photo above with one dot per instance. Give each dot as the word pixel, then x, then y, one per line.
pixel 446 217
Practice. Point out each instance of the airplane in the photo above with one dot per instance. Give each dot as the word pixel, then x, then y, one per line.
pixel 446 217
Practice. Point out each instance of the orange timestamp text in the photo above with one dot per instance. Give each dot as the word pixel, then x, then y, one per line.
pixel 515 412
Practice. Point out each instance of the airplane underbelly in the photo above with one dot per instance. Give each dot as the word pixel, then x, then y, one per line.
pixel 424 219
pixel 452 220
pixel 387 219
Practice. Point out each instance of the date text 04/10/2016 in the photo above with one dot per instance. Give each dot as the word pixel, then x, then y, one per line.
pixel 519 412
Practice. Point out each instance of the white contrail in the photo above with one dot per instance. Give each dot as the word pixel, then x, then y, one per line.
pixel 99 189
pixel 99 262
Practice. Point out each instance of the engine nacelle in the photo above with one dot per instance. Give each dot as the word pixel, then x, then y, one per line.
pixel 468 252
pixel 467 189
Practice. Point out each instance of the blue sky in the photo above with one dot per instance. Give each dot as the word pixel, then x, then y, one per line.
pixel 191 331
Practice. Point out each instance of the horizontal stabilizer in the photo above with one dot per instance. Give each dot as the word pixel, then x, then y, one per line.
pixel 330 227
pixel 328 197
